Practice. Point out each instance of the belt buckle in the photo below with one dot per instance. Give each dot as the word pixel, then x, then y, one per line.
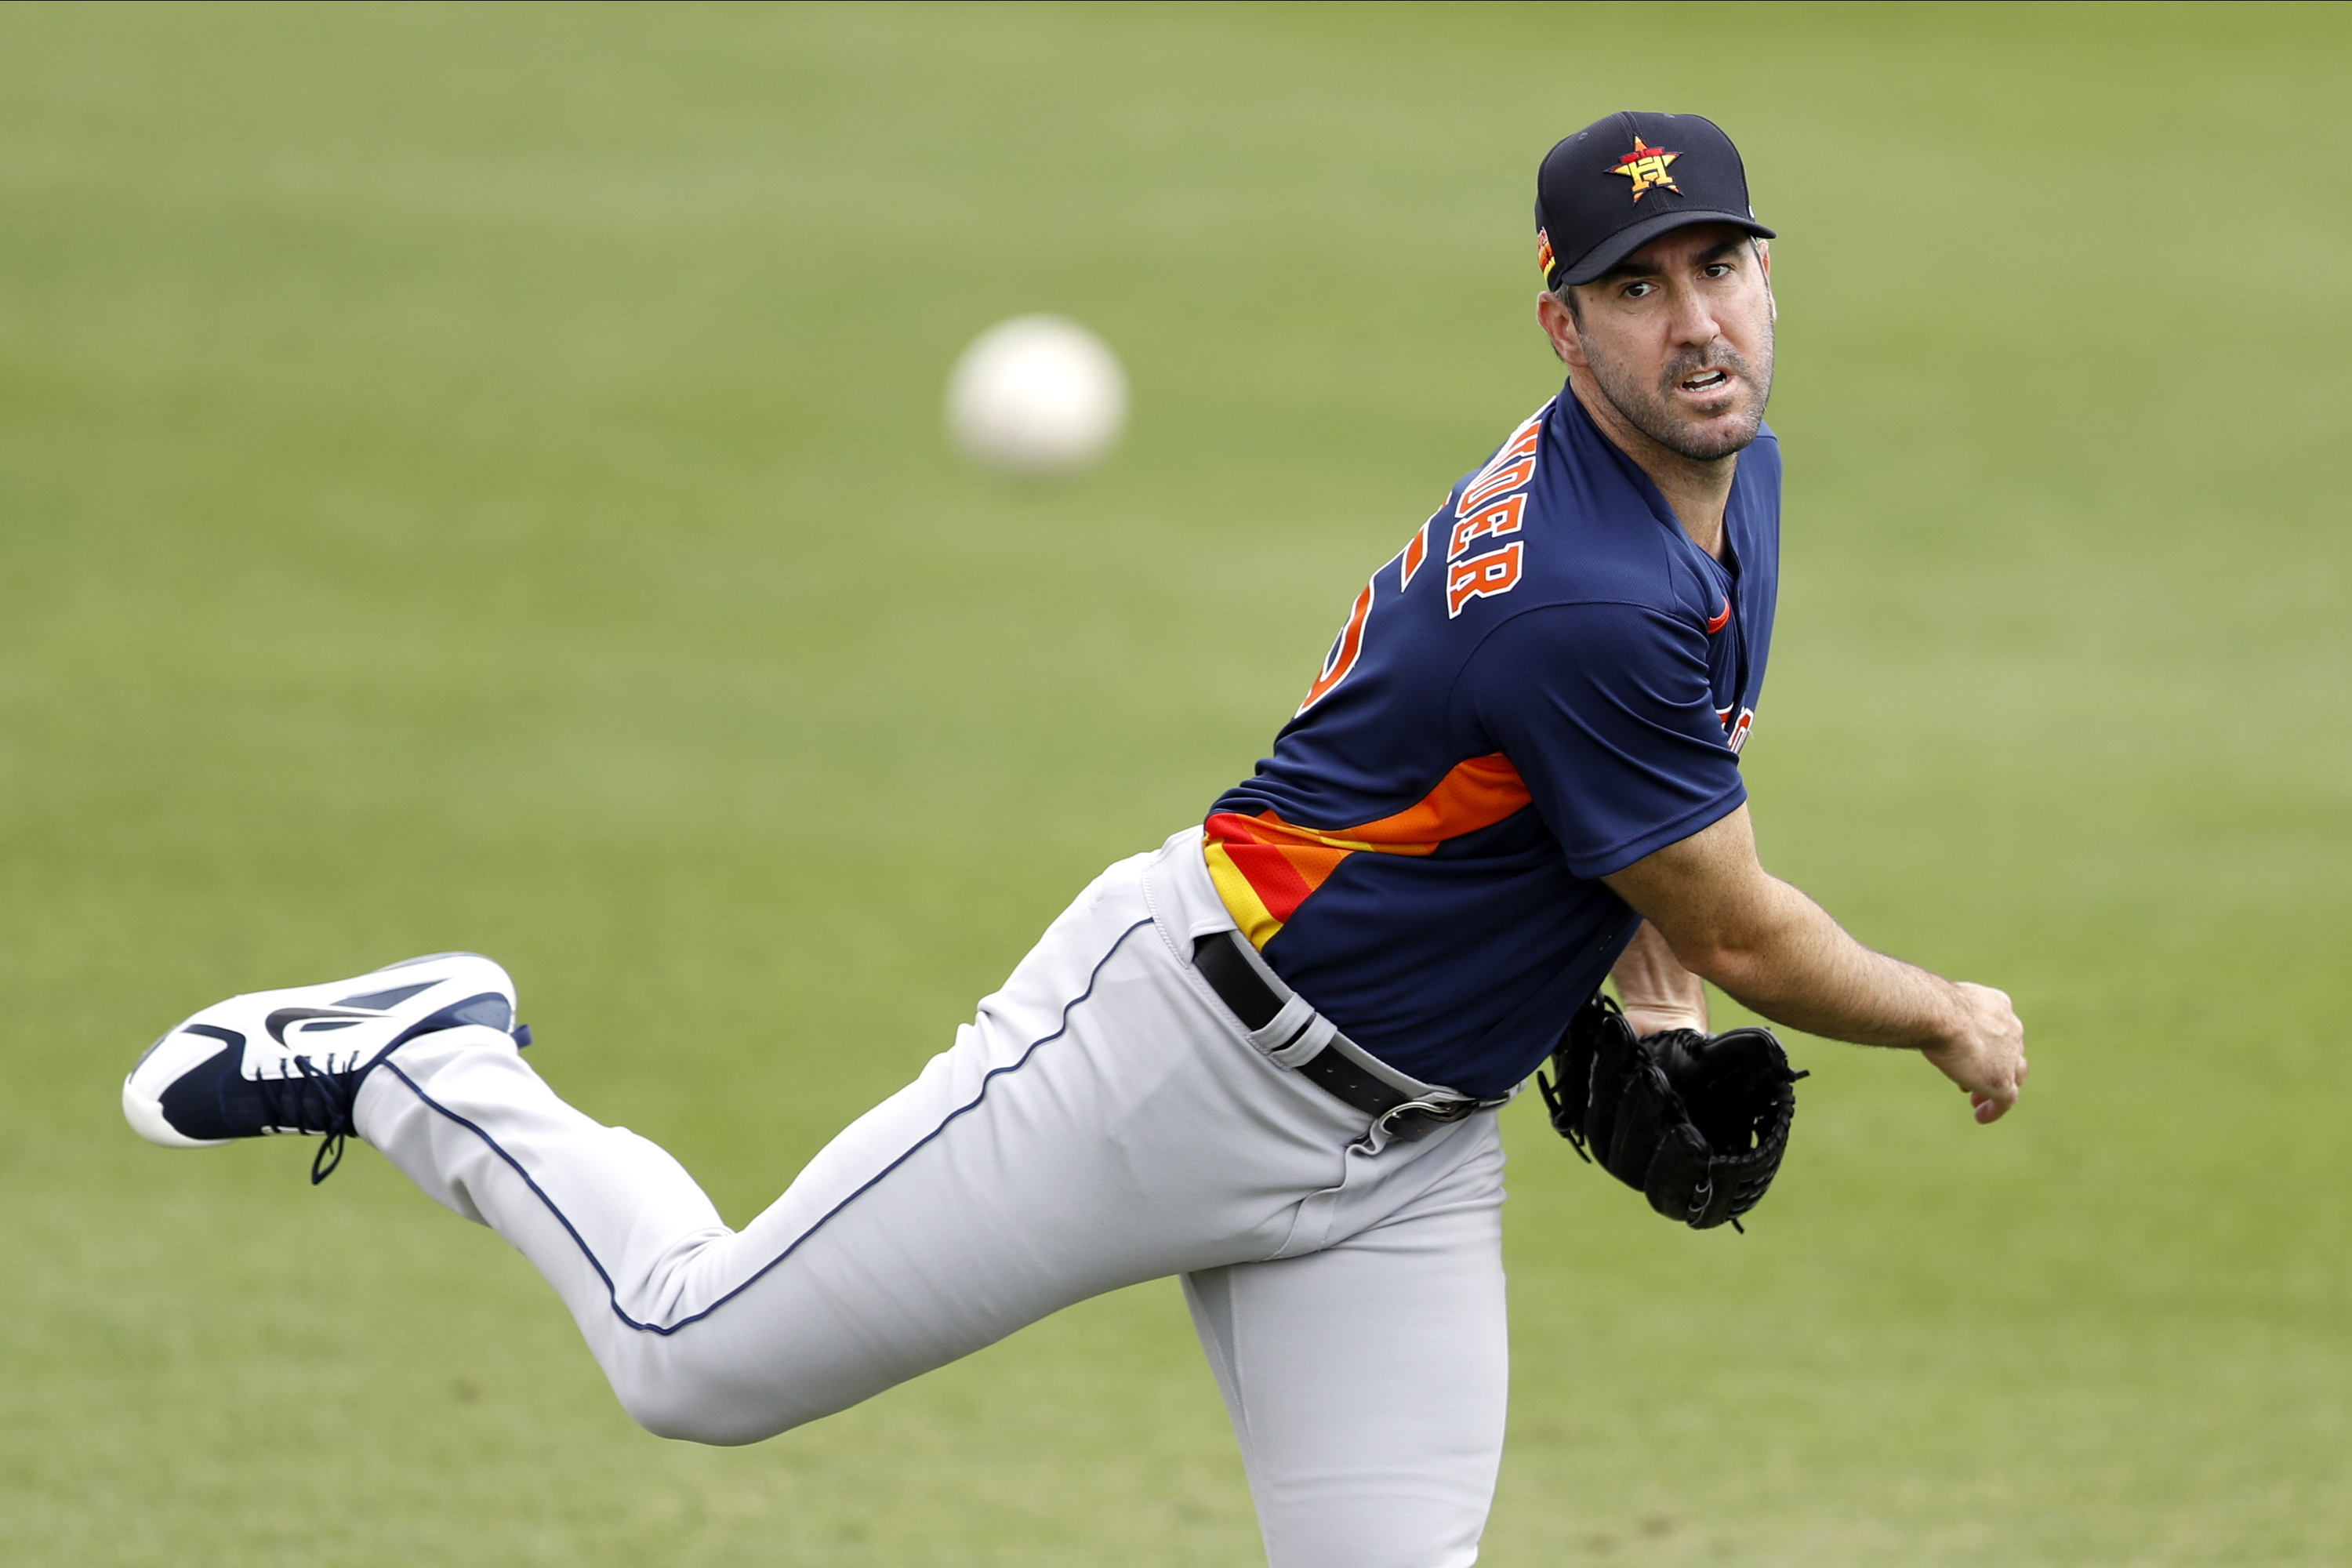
pixel 1433 1113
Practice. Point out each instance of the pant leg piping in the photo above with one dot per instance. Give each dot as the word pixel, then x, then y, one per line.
pixel 612 1296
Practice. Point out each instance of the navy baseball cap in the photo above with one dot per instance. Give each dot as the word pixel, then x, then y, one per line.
pixel 1619 182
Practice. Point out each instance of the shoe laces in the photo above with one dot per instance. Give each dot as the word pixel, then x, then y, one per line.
pixel 309 1099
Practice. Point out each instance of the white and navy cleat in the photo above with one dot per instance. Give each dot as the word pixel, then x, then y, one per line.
pixel 292 1060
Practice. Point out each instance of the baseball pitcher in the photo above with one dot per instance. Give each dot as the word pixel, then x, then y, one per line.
pixel 1267 1056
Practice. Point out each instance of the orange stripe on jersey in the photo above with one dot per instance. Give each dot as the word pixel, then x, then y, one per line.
pixel 1264 867
pixel 1476 794
pixel 1414 549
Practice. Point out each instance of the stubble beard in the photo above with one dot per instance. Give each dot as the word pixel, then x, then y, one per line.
pixel 1653 410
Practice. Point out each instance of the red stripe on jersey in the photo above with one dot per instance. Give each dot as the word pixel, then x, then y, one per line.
pixel 1284 863
pixel 1281 865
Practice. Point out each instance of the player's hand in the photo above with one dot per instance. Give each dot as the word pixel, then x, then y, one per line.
pixel 1985 1055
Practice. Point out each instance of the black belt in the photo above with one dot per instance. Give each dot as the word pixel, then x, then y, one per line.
pixel 1221 962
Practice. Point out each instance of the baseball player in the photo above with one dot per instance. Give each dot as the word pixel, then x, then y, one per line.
pixel 1267 1056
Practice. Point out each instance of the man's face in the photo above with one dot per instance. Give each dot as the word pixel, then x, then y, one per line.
pixel 1678 338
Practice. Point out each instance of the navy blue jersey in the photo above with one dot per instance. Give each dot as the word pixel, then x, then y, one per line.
pixel 1547 683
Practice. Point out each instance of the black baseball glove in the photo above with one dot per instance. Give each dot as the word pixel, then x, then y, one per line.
pixel 1696 1122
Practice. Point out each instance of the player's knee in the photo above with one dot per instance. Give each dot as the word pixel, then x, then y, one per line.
pixel 677 1408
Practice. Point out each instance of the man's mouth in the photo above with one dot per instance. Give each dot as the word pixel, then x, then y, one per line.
pixel 1705 382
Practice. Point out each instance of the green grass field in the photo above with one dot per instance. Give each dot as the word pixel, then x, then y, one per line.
pixel 471 477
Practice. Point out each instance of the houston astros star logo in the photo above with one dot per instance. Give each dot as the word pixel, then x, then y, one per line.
pixel 1647 166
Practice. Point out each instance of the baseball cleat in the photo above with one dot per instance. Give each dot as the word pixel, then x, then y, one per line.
pixel 292 1060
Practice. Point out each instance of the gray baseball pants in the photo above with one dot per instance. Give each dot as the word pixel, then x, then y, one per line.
pixel 1104 1120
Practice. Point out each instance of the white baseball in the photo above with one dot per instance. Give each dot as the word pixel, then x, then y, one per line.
pixel 1036 395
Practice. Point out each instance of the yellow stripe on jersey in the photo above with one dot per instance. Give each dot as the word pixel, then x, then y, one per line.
pixel 1249 911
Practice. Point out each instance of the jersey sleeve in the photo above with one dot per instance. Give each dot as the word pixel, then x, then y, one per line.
pixel 1606 711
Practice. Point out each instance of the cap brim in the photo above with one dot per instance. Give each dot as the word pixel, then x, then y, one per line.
pixel 1626 241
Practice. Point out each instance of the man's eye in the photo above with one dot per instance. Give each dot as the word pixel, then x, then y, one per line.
pixel 1639 290
pixel 1718 269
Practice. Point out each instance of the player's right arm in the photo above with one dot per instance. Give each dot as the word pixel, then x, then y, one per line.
pixel 1764 942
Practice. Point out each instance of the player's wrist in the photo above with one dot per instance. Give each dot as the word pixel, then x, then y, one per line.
pixel 1951 1024
pixel 1657 1019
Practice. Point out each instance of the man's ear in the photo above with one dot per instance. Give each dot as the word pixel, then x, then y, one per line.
pixel 1560 326
pixel 1764 260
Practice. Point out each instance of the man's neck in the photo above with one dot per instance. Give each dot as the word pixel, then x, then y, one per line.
pixel 1696 489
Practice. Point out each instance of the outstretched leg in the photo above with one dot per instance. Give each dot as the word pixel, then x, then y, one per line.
pixel 1100 1123
pixel 1105 1120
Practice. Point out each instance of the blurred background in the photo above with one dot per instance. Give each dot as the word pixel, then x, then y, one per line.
pixel 473 478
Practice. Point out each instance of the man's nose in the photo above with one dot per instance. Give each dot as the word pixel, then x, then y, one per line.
pixel 1693 320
